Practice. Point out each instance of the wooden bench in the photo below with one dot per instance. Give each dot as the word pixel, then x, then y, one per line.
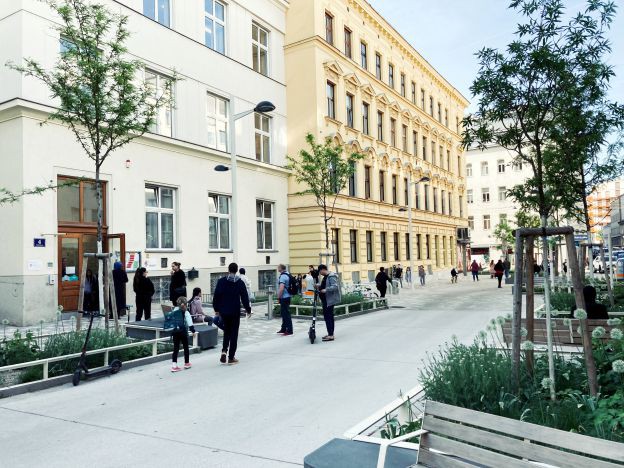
pixel 458 437
pixel 563 335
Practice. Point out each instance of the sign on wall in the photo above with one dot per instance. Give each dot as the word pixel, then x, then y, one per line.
pixel 133 261
pixel 39 242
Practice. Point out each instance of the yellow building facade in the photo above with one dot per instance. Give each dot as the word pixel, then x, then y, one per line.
pixel 351 77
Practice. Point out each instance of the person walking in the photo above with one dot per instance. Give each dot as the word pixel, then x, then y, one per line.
pixel 177 286
pixel 309 282
pixel 398 274
pixel 492 271
pixel 474 268
pixel 284 298
pixel 507 266
pixel 422 274
pixel 229 294
pixel 90 298
pixel 565 267
pixel 381 281
pixel 144 290
pixel 408 275
pixel 499 270
pixel 120 278
pixel 245 279
pixel 453 275
pixel 181 317
pixel 329 292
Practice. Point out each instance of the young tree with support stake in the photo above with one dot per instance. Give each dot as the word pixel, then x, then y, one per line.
pixel 326 173
pixel 99 90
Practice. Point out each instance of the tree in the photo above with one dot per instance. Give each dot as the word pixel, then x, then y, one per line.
pixel 8 197
pixel 529 96
pixel 99 91
pixel 503 233
pixel 325 172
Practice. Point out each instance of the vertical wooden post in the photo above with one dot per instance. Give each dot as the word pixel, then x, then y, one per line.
pixel 113 300
pixel 530 298
pixel 517 313
pixel 83 278
pixel 606 273
pixel 575 273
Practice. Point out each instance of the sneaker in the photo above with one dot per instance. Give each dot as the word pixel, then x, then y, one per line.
pixel 187 365
pixel 223 358
pixel 232 361
pixel 287 333
pixel 176 369
pixel 281 332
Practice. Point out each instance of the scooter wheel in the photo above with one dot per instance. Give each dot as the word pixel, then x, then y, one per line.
pixel 76 378
pixel 115 366
pixel 312 335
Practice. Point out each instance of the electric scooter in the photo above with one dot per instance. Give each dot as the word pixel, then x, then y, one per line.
pixel 312 330
pixel 82 371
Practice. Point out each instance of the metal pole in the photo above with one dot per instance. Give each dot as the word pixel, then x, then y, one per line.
pixel 270 303
pixel 549 340
pixel 233 168
pixel 611 266
pixel 409 226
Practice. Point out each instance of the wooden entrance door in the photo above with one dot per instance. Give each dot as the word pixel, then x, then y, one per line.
pixel 71 248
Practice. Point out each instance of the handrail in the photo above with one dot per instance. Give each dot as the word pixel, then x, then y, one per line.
pixel 359 305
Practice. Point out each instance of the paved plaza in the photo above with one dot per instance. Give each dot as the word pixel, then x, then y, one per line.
pixel 285 399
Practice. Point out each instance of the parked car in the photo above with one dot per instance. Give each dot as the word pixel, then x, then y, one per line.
pixel 597 263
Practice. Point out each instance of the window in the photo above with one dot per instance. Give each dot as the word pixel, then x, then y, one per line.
pixel 363 55
pixel 217 122
pixel 160 87
pixel 391 75
pixel 501 166
pixel 214 25
pixel 417 192
pixel 443 199
pixel 428 246
pixel 263 137
pixel 415 143
pixel 353 245
pixel 329 28
pixel 331 104
pixel 440 156
pixel 384 246
pixel 450 203
pixel 439 112
pixel 471 223
pixel 349 102
pixel 367 182
pixel 266 279
pixel 408 253
pixel 446 118
pixel 219 222
pixel 424 148
pixel 352 181
pixel 448 160
pixel 158 10
pixel 380 118
pixel 418 247
pixel 405 191
pixel 264 224
pixel 502 193
pixel 403 84
pixel 426 197
pixel 435 199
pixel 260 49
pixel 393 132
pixel 457 124
pixel 404 138
pixel 395 241
pixel 502 218
pixel 413 93
pixel 484 169
pixel 459 165
pixel 485 195
pixel 422 98
pixel 382 186
pixel 378 66
pixel 469 196
pixel 365 118
pixel 461 206
pixel 335 243
pixel 486 222
pixel 395 197
pixel 431 106
pixel 160 217
pixel 77 202
pixel 347 42
pixel 369 246
pixel 468 170
pixel 517 166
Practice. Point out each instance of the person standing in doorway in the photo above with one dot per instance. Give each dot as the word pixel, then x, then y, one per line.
pixel 181 315
pixel 499 270
pixel 474 268
pixel 229 294
pixel 329 292
pixel 381 281
pixel 90 299
pixel 422 274
pixel 507 266
pixel 177 286
pixel 120 278
pixel 144 290
pixel 284 298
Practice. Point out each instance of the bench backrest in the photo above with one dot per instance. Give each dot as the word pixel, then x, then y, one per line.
pixel 166 308
pixel 562 334
pixel 458 437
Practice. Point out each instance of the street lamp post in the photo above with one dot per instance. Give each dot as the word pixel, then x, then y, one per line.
pixel 262 107
pixel 409 221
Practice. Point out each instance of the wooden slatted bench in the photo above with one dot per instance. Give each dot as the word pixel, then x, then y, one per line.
pixel 563 335
pixel 453 437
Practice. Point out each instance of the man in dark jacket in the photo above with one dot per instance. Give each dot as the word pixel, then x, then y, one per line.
pixel 381 280
pixel 226 302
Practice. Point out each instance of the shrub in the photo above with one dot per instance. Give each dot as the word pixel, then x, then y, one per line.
pixel 562 300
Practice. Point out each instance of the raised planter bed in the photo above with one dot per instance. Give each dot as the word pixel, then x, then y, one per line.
pixel 153 329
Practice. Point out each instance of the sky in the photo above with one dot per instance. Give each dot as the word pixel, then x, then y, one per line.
pixel 447 33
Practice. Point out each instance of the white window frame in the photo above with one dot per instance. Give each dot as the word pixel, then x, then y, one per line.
pixel 502 193
pixel 259 132
pixel 349 110
pixel 468 170
pixel 156 18
pixel 257 46
pixel 500 166
pixel 469 196
pixel 220 216
pixel 162 112
pixel 211 16
pixel 485 195
pixel 160 211
pixel 263 219
pixel 218 119
pixel 485 169
pixel 487 223
pixel 471 223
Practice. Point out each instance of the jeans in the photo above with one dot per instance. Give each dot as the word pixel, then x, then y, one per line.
pixel 183 338
pixel 382 290
pixel 500 279
pixel 231 323
pixel 422 280
pixel 143 306
pixel 475 276
pixel 328 316
pixel 287 325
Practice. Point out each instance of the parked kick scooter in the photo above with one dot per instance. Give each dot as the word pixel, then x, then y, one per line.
pixel 312 330
pixel 82 370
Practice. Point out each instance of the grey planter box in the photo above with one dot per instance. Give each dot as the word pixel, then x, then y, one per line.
pixel 354 454
pixel 146 330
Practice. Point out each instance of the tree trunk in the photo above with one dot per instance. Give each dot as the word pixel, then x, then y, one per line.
pixel 551 362
pixel 98 192
pixel 517 314
pixel 530 300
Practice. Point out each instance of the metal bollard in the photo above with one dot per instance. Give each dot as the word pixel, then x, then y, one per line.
pixel 270 303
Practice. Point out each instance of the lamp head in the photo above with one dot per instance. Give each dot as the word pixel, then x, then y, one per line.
pixel 403 209
pixel 264 106
pixel 221 168
pixel 424 179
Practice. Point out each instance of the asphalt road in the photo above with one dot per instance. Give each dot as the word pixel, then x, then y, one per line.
pixel 285 398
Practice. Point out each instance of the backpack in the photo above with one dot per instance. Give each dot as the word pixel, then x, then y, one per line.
pixel 293 285
pixel 174 321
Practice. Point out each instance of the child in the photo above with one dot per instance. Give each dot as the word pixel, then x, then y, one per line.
pixel 453 275
pixel 181 316
pixel 197 312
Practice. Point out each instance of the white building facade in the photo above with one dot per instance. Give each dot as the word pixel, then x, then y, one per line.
pixel 489 175
pixel 163 200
